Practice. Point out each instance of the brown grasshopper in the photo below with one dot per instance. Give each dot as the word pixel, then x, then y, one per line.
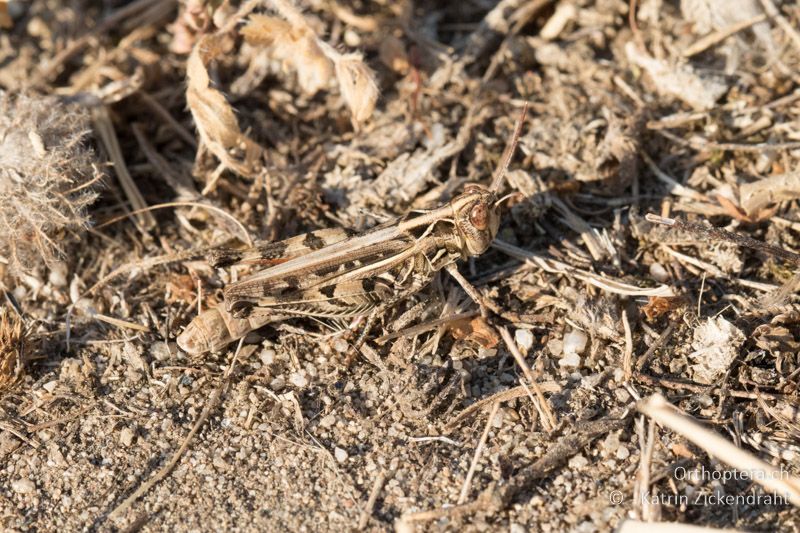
pixel 336 273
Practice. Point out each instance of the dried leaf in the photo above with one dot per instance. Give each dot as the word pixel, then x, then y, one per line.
pixel 213 115
pixel 658 306
pixel 475 330
pixel 757 196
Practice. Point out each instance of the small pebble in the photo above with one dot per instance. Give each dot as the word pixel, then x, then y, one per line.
pixel 23 486
pixel 556 347
pixel 328 421
pixel 622 395
pixel 524 338
pixel 575 342
pixel 50 386
pixel 352 39
pixel 611 443
pixel 623 453
pixel 659 273
pixel 160 350
pixel 340 454
pixel 277 384
pixel 126 436
pixel 340 345
pixel 578 461
pixel 298 380
pixel 571 360
pixel 267 356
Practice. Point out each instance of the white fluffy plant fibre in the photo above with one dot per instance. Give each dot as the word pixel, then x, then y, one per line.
pixel 47 173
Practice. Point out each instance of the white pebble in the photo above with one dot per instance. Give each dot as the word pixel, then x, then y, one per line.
pixel 327 421
pixel 50 386
pixel 352 39
pixel 658 272
pixel 277 384
pixel 623 453
pixel 575 342
pixel 572 360
pixel 340 454
pixel 524 338
pixel 126 436
pixel 298 380
pixel 340 345
pixel 267 356
pixel 23 486
pixel 578 461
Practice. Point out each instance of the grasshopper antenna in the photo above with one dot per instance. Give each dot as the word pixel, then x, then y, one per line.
pixel 508 153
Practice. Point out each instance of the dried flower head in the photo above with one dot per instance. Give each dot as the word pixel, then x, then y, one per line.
pixel 12 348
pixel 358 86
pixel 46 174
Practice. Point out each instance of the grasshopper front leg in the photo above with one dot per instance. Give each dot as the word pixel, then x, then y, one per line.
pixel 470 289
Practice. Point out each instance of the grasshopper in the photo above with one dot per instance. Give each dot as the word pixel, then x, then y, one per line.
pixel 339 274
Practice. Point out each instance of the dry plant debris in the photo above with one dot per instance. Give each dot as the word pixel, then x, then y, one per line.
pixel 13 348
pixel 47 177
pixel 236 120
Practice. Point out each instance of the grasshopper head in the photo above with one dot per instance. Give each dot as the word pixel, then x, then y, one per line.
pixel 477 218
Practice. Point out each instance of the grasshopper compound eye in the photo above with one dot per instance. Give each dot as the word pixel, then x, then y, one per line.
pixel 479 216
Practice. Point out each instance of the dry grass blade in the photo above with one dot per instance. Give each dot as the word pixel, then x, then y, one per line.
pixel 541 403
pixel 554 266
pixel 777 480
pixel 105 130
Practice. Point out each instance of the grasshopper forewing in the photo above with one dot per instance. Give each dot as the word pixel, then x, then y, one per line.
pixel 335 273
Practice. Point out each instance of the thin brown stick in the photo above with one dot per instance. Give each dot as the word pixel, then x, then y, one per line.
pixel 363 519
pixel 210 405
pixel 105 130
pixel 627 359
pixel 718 36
